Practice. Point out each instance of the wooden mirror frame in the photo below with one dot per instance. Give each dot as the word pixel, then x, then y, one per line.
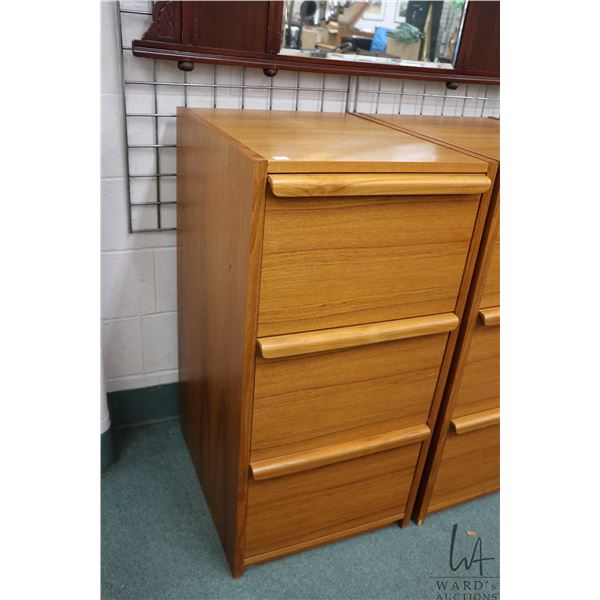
pixel 248 34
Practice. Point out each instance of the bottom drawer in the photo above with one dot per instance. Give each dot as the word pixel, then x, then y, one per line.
pixel 470 467
pixel 293 512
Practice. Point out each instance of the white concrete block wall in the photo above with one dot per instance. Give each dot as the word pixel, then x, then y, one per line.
pixel 139 300
pixel 139 295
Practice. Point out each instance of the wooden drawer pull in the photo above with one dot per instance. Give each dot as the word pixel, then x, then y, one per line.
pixel 479 420
pixel 311 459
pixel 377 184
pixel 296 344
pixel 490 316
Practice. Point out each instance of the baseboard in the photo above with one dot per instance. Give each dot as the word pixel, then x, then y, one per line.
pixel 142 406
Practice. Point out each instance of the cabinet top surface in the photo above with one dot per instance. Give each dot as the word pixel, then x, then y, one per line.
pixel 480 135
pixel 301 142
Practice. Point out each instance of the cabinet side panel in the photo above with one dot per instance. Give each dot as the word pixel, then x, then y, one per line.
pixel 220 211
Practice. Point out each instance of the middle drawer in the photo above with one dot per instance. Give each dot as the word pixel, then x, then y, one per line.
pixel 305 398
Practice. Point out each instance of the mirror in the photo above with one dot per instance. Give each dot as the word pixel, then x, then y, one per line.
pixel 410 33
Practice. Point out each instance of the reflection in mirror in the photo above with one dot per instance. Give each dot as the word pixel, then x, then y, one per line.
pixel 410 33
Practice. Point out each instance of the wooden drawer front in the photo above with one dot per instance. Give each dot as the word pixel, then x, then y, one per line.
pixel 336 261
pixel 470 467
pixel 491 289
pixel 300 510
pixel 480 384
pixel 314 400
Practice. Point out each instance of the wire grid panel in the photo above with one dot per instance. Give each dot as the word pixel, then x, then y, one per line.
pixel 153 89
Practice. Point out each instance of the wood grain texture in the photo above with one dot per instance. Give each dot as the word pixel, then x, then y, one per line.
pixel 328 455
pixel 491 289
pixel 470 468
pixel 274 27
pixel 473 383
pixel 479 50
pixel 479 386
pixel 421 471
pixel 342 261
pixel 380 184
pixel 321 540
pixel 480 139
pixel 318 400
pixel 296 344
pixel 304 507
pixel 299 142
pixel 211 27
pixel 218 278
pixel 480 420
pixel 490 317
pixel 477 135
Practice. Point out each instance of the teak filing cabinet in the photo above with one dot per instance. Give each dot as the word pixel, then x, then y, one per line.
pixel 325 266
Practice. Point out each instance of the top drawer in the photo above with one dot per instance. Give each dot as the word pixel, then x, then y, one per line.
pixel 342 250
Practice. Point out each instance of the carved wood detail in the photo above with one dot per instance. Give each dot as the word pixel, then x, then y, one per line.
pixel 166 23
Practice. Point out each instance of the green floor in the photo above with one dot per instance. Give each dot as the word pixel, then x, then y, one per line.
pixel 158 542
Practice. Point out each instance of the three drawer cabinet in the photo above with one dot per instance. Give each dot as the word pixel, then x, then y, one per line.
pixel 324 267
pixel 464 457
